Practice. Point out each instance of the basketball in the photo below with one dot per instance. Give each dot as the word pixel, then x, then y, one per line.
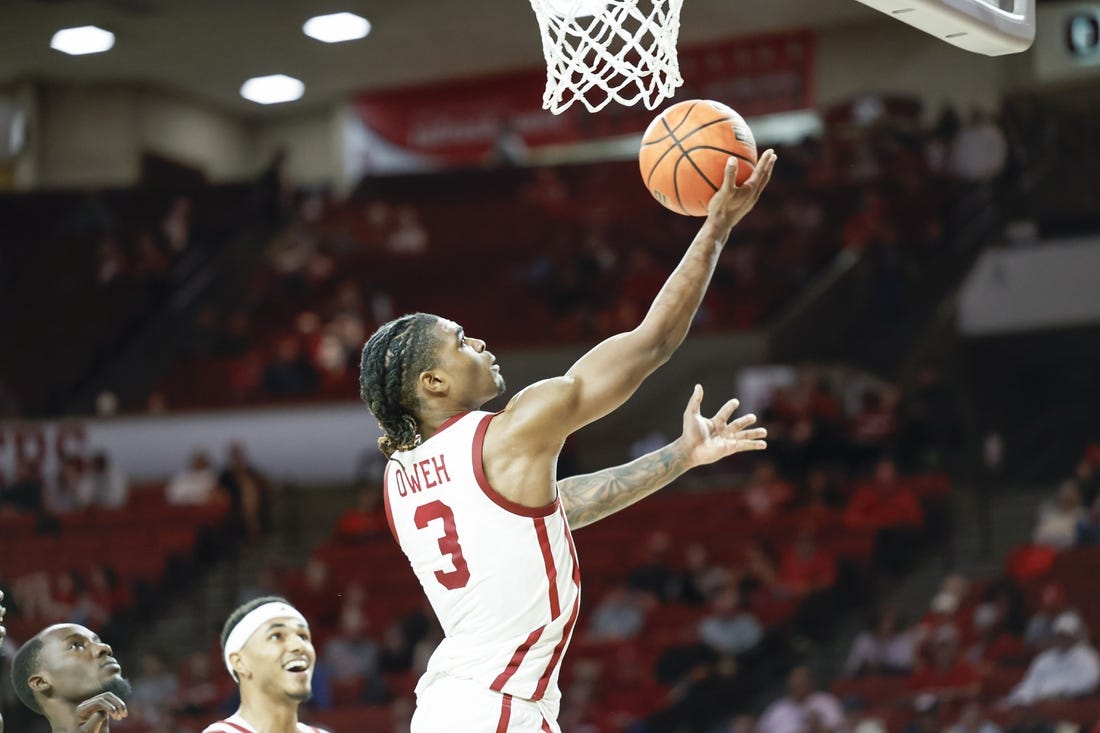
pixel 685 149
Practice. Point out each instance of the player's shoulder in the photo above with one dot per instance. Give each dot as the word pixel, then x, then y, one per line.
pixel 220 727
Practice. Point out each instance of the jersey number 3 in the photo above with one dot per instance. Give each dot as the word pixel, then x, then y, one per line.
pixel 448 543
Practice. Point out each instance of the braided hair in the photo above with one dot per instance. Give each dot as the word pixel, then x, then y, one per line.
pixel 393 357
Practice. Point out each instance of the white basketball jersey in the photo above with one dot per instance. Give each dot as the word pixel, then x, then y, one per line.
pixel 237 724
pixel 502 578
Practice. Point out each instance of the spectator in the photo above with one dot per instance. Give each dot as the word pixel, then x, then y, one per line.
pixel 1039 635
pixel 409 238
pixel 352 658
pixel 885 648
pixel 104 485
pixel 155 690
pixel 366 521
pixel 1088 529
pixel 756 572
pixel 315 595
pixel 979 151
pixel 803 710
pixel 248 491
pixel 927 717
pixel 993 643
pixel 805 568
pixel 767 493
pixel 201 689
pixel 892 509
pixel 619 616
pixel 885 502
pixel 63 495
pixel 24 493
pixel 729 629
pixel 1070 668
pixel 948 676
pixel 1058 519
pixel 195 485
pixel 973 720
pixel 289 373
pixel 654 575
pixel 700 580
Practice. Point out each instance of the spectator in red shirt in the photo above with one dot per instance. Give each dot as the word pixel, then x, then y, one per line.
pixel 947 675
pixel 805 568
pixel 885 503
pixel 366 520
pixel 890 507
pixel 993 643
pixel 767 492
pixel 315 595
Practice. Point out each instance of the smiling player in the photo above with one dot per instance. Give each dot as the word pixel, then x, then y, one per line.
pixel 267 648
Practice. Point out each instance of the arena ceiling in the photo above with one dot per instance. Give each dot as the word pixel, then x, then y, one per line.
pixel 207 48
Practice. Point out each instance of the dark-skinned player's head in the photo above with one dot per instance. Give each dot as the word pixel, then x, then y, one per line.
pixel 64 665
pixel 416 357
pixel 268 650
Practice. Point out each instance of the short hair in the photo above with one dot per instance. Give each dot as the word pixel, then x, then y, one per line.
pixel 23 667
pixel 243 610
pixel 392 358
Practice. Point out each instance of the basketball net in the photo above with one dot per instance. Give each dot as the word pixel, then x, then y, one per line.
pixel 599 51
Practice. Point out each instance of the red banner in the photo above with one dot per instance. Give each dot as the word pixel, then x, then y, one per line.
pixel 469 121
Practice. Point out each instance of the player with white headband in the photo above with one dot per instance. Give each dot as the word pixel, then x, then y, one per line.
pixel 267 648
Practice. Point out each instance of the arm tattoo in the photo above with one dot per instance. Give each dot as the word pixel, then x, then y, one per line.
pixel 593 496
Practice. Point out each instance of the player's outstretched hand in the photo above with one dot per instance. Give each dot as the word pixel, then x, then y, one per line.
pixel 706 440
pixel 731 202
pixel 93 715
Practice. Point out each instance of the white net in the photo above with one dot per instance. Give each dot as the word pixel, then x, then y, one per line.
pixel 599 51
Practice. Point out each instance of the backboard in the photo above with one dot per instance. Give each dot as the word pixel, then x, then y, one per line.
pixel 989 27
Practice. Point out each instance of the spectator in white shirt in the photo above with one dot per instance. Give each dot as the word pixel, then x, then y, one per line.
pixel 104 485
pixel 979 151
pixel 619 616
pixel 884 648
pixel 1057 527
pixel 194 485
pixel 803 710
pixel 729 629
pixel 1070 668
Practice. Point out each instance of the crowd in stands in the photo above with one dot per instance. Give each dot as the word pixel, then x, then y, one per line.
pixel 581 247
pixel 1012 653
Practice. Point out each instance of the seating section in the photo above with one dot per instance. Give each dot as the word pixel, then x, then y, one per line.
pixel 97 565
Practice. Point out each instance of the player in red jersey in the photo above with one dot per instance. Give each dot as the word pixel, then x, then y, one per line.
pixel 67 674
pixel 473 498
pixel 268 650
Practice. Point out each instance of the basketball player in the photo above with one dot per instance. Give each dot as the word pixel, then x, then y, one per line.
pixel 68 675
pixel 267 648
pixel 472 496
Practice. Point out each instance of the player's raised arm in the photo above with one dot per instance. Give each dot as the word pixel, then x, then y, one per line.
pixel 593 496
pixel 547 412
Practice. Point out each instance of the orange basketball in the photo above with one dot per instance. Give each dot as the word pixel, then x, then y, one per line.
pixel 685 149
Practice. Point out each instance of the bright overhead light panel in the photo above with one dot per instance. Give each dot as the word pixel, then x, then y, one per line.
pixel 83 40
pixel 337 27
pixel 274 89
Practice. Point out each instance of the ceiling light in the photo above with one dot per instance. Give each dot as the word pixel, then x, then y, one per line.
pixel 337 27
pixel 83 40
pixel 273 89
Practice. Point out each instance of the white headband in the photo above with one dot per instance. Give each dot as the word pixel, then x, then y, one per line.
pixel 252 622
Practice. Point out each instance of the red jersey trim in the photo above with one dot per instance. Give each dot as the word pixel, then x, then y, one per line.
pixel 516 660
pixel 567 633
pixel 546 727
pixel 505 713
pixel 241 728
pixel 551 569
pixel 503 502
pixel 448 423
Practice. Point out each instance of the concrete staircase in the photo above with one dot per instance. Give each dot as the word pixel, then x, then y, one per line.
pixel 978 544
pixel 303 517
